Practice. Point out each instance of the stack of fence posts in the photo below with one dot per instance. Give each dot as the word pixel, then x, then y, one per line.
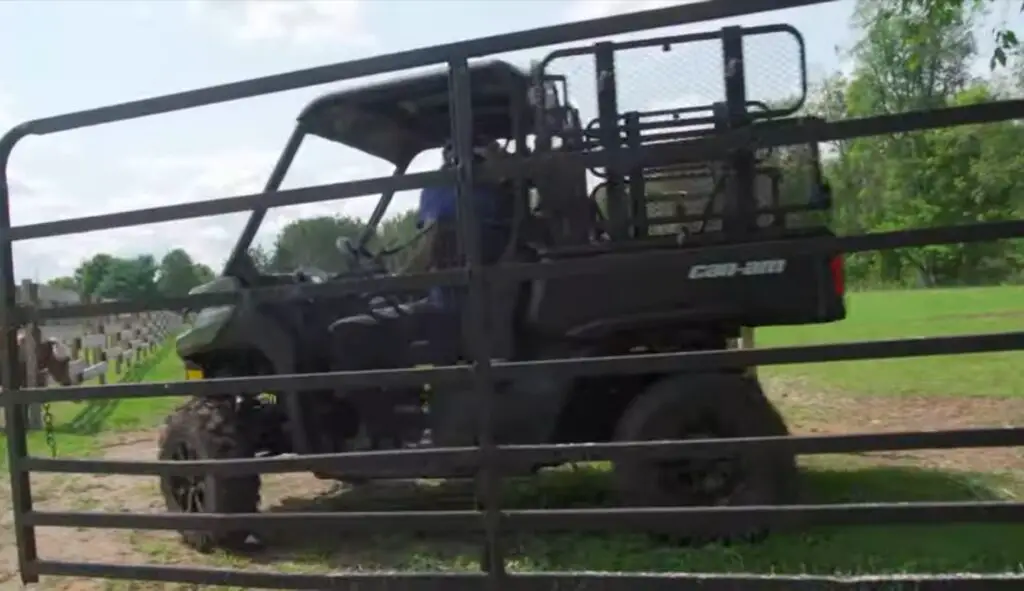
pixel 96 344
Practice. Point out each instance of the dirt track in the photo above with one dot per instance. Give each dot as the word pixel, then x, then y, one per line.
pixel 817 412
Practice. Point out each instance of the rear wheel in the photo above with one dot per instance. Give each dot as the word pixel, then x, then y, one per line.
pixel 208 429
pixel 706 406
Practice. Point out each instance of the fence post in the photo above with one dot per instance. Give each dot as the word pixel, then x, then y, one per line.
pixel 28 350
pixel 101 356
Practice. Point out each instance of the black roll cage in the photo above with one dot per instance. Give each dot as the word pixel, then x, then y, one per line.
pixel 391 108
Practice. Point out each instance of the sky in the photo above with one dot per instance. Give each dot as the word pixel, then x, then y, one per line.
pixel 60 56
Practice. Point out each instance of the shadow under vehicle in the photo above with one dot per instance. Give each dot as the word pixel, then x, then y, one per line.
pixel 554 214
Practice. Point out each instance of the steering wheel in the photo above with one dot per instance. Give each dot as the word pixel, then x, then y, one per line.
pixel 360 258
pixel 363 261
pixel 311 274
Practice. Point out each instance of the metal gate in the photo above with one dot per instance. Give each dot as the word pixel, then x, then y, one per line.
pixel 493 521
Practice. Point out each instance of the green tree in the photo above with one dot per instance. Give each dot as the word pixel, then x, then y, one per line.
pixel 311 242
pixel 947 11
pixel 906 61
pixel 67 283
pixel 91 272
pixel 129 279
pixel 260 257
pixel 204 274
pixel 178 273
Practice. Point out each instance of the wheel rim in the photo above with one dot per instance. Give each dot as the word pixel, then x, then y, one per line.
pixel 706 480
pixel 188 492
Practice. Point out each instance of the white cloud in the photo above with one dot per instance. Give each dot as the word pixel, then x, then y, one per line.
pixel 45 190
pixel 587 9
pixel 149 181
pixel 38 199
pixel 298 22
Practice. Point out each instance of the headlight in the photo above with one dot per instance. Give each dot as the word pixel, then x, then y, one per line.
pixel 213 314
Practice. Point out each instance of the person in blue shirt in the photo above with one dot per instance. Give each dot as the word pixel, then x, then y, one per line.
pixel 375 340
pixel 437 248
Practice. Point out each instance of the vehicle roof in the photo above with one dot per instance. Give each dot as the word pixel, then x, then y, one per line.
pixel 399 118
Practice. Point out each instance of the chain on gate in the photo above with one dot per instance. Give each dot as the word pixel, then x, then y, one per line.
pixel 31 367
pixel 48 433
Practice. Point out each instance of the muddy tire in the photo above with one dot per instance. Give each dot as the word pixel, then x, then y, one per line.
pixel 705 406
pixel 206 429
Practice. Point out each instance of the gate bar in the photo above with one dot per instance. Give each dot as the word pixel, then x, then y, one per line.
pixel 965 233
pixel 479 341
pixel 603 519
pixel 534 454
pixel 228 205
pixel 278 293
pixel 822 245
pixel 764 135
pixel 588 366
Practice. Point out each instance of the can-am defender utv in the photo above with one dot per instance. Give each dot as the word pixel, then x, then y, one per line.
pixel 653 308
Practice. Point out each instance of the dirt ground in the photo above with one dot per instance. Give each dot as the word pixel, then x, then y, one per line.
pixel 807 410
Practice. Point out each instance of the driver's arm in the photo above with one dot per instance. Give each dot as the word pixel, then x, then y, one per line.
pixel 436 244
pixel 422 250
pixel 437 248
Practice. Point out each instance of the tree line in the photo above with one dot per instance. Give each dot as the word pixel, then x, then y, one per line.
pixel 108 277
pixel 915 55
pixel 312 242
pixel 308 242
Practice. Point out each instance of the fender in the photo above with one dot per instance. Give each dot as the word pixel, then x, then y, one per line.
pixel 255 331
pixel 267 336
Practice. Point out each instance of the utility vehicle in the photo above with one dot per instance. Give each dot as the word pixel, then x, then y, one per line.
pixel 639 206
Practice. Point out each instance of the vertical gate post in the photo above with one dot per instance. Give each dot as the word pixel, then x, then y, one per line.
pixel 741 200
pixel 17 443
pixel 29 349
pixel 460 105
pixel 746 341
pixel 619 218
pixel 741 197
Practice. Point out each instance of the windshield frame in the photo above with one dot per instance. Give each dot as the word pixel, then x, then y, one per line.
pixel 240 261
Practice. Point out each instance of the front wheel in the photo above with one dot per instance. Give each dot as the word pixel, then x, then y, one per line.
pixel 706 406
pixel 208 429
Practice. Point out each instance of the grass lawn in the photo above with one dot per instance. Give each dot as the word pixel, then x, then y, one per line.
pixel 822 550
pixel 890 315
pixel 80 425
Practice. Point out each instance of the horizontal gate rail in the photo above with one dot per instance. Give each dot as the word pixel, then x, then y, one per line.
pixel 623 365
pixel 228 205
pixel 535 454
pixel 799 131
pixel 981 232
pixel 531 582
pixel 414 281
pixel 786 133
pixel 632 519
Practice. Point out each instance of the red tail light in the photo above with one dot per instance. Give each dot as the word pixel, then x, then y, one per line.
pixel 838 276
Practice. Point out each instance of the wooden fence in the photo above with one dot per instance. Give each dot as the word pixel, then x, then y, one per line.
pixel 101 348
